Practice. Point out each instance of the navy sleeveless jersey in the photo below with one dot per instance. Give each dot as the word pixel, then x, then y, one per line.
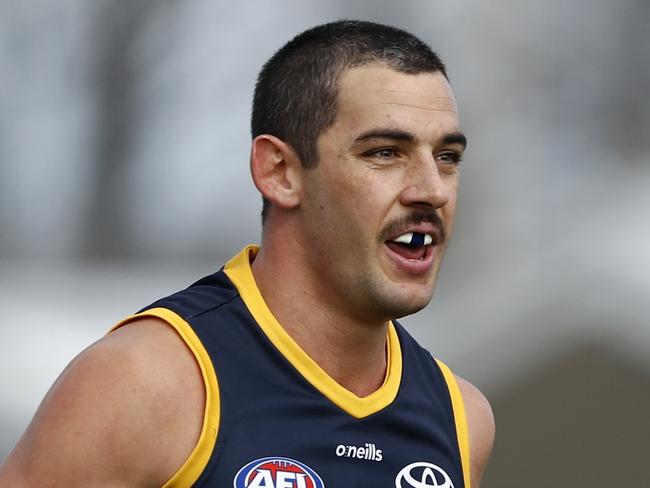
pixel 275 419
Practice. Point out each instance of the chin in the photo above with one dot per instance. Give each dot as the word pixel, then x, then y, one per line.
pixel 407 303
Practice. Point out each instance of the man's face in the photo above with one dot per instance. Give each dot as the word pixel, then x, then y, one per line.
pixel 379 207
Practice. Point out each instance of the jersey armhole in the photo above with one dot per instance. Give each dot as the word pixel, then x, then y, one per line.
pixel 460 420
pixel 198 459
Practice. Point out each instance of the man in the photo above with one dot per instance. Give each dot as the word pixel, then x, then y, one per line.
pixel 285 369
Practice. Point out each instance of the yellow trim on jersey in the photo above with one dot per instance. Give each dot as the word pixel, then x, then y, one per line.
pixel 460 419
pixel 240 273
pixel 198 459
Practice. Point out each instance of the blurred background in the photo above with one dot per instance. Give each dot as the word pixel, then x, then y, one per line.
pixel 124 176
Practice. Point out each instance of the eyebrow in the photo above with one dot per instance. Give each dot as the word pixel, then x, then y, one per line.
pixel 402 135
pixel 394 134
pixel 455 138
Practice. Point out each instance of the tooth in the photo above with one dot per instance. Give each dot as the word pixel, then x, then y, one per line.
pixel 414 239
pixel 404 238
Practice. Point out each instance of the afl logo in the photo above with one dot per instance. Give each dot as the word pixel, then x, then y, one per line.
pixel 423 475
pixel 277 472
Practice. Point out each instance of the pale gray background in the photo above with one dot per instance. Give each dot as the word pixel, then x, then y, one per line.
pixel 124 176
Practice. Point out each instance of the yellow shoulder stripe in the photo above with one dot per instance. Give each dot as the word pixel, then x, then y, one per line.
pixel 460 419
pixel 194 465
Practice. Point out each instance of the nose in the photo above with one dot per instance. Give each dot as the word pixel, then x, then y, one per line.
pixel 425 186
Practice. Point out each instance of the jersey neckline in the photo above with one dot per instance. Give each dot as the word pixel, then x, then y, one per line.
pixel 239 271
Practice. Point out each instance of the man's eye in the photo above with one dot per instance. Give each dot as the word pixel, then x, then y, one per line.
pixel 449 158
pixel 385 153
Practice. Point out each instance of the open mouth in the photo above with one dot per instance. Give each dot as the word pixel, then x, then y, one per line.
pixel 411 245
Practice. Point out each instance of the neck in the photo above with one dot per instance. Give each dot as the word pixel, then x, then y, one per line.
pixel 350 350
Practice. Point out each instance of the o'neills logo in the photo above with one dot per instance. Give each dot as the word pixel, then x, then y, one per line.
pixel 277 472
pixel 368 452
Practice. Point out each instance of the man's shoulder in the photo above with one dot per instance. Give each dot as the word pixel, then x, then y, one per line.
pixel 153 395
pixel 477 410
pixel 481 427
pixel 127 409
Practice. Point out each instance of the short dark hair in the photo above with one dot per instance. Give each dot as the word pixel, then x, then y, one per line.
pixel 296 91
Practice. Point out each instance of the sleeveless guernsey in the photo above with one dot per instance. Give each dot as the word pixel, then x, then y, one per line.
pixel 274 419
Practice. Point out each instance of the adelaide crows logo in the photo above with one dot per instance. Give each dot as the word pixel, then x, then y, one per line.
pixel 277 472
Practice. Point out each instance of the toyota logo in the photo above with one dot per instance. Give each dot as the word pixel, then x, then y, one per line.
pixel 423 475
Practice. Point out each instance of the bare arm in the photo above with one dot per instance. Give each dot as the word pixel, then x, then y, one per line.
pixel 126 412
pixel 481 427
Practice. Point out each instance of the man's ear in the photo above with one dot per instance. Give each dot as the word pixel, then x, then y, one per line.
pixel 276 171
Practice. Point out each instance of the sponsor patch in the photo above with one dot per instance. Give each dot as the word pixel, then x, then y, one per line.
pixel 423 475
pixel 277 472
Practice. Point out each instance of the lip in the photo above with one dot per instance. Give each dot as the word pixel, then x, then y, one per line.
pixel 414 267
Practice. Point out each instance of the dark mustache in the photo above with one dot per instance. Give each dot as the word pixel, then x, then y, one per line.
pixel 415 218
